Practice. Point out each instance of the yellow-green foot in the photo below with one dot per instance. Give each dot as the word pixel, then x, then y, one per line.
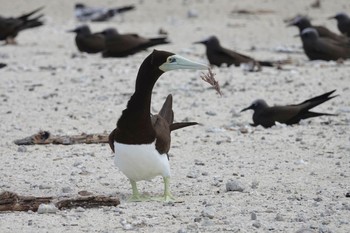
pixel 139 198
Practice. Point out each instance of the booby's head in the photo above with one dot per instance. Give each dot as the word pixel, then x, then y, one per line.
pixel 169 61
pixel 256 105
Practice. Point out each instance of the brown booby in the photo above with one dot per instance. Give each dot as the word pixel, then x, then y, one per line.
pixel 321 48
pixel 343 23
pixel 98 14
pixel 141 141
pixel 217 55
pixel 10 27
pixel 303 22
pixel 88 42
pixel 289 114
pixel 122 45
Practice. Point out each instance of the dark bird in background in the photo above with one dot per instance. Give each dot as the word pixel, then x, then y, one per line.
pixel 343 23
pixel 10 27
pixel 303 22
pixel 2 65
pixel 88 42
pixel 141 141
pixel 320 48
pixel 218 55
pixel 98 14
pixel 122 45
pixel 289 114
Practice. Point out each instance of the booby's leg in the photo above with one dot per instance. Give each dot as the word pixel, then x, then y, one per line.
pixel 135 193
pixel 167 195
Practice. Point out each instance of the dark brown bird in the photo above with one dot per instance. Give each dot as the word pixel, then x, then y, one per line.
pixel 343 23
pixel 141 141
pixel 122 45
pixel 2 65
pixel 321 48
pixel 98 14
pixel 88 42
pixel 303 22
pixel 218 55
pixel 10 27
pixel 289 114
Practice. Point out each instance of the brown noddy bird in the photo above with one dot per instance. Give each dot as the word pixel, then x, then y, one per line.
pixel 321 48
pixel 141 141
pixel 98 14
pixel 10 27
pixel 218 55
pixel 343 23
pixel 290 114
pixel 88 42
pixel 303 22
pixel 122 45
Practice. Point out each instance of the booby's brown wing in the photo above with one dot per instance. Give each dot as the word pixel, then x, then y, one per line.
pixel 326 33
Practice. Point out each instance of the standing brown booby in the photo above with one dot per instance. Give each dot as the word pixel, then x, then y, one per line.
pixel 290 114
pixel 88 42
pixel 321 48
pixel 122 45
pixel 343 23
pixel 141 141
pixel 303 22
pixel 217 55
pixel 10 27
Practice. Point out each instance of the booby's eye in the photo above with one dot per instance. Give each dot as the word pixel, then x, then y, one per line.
pixel 171 59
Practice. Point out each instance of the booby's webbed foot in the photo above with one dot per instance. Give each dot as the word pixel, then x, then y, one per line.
pixel 136 197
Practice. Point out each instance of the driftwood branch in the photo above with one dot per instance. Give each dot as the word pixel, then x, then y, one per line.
pixel 44 137
pixel 10 201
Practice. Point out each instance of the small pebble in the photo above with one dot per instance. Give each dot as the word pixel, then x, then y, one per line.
pixel 22 149
pixel 253 216
pixel 47 209
pixel 256 224
pixel 234 185
pixel 208 212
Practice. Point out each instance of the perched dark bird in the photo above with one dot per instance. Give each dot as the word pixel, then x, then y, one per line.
pixel 2 65
pixel 122 45
pixel 88 42
pixel 343 23
pixel 320 48
pixel 289 114
pixel 10 27
pixel 303 22
pixel 217 55
pixel 141 141
pixel 98 14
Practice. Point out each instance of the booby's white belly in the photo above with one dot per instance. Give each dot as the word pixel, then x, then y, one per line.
pixel 141 162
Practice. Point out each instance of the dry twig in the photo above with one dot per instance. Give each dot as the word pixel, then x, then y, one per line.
pixel 209 78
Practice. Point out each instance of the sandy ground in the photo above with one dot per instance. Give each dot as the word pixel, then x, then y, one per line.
pixel 293 178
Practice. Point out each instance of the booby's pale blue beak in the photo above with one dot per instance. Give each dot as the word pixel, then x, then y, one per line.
pixel 176 62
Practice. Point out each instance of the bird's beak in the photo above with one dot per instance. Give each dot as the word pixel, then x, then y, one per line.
pixel 73 30
pixel 176 62
pixel 199 42
pixel 247 108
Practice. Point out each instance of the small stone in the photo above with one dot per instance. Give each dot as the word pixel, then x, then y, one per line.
pixel 44 186
pixel 256 224
pixel 80 209
pixel 253 216
pixel 67 190
pixel 193 174
pixel 279 217
pixel 255 184
pixel 197 219
pixel 47 209
pixel 22 149
pixel 208 212
pixel 234 185
pixel 30 222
